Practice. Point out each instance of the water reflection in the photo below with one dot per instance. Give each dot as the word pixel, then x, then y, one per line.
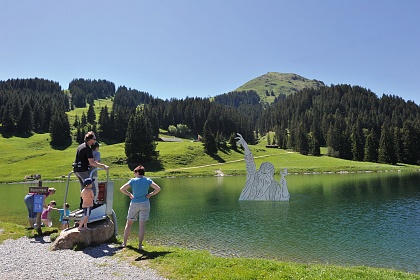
pixel 355 219
pixel 345 219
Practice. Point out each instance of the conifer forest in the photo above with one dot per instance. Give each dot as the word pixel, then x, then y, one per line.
pixel 351 121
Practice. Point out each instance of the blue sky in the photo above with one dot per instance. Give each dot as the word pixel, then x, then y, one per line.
pixel 180 48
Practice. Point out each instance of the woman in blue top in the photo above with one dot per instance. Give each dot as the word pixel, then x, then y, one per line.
pixel 29 201
pixel 139 205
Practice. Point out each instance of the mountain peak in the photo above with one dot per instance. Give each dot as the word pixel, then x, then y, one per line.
pixel 270 85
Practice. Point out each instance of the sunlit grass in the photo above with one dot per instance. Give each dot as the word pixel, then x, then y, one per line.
pixel 181 263
pixel 10 230
pixel 34 155
pixel 99 103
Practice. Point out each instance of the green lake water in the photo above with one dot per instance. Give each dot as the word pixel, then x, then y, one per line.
pixel 370 219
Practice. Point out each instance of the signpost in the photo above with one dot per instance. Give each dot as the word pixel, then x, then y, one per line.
pixel 38 190
pixel 38 202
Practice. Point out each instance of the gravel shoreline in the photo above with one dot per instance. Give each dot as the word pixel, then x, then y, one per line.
pixel 26 258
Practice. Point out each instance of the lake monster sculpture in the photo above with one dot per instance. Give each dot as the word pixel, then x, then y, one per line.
pixel 260 184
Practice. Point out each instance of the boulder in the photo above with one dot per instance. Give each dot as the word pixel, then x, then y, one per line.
pixel 98 233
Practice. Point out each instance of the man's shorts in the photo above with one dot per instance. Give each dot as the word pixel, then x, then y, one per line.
pixel 81 176
pixel 139 211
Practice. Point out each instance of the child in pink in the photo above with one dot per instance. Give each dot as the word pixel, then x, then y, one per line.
pixel 45 216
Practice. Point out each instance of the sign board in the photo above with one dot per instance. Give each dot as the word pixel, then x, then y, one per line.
pixel 42 190
pixel 38 203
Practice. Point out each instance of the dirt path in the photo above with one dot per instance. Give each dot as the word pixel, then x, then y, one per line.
pixel 215 164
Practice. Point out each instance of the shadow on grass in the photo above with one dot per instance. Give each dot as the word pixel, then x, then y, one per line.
pixel 41 232
pixel 6 134
pixel 224 149
pixel 147 255
pixel 217 158
pixel 63 145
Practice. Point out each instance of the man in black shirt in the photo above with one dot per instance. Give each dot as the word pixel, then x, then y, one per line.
pixel 84 159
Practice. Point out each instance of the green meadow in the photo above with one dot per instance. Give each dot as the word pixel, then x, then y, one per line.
pixel 34 155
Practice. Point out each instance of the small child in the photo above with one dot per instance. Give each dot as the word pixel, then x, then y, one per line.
pixel 97 158
pixel 87 197
pixel 45 216
pixel 66 211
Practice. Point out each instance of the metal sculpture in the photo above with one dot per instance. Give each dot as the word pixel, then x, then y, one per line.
pixel 260 184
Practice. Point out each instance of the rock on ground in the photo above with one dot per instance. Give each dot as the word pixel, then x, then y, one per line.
pixel 98 233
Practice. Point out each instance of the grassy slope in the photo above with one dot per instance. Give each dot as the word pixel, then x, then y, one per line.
pixel 97 107
pixel 33 155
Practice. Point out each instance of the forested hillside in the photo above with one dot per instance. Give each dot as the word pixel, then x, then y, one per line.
pixel 350 120
pixel 353 122
pixel 34 105
pixel 87 91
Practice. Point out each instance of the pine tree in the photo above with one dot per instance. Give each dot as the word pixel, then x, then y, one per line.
pixel 47 113
pixel 24 124
pixel 386 146
pixel 76 121
pixel 371 150
pixel 314 147
pixel 8 124
pixel 91 116
pixel 218 140
pixel 139 143
pixel 357 142
pixel 410 143
pixel 302 141
pixel 39 121
pixel 398 144
pixel 332 142
pixel 60 130
pixel 119 126
pixel 104 123
pixel 84 119
pixel 316 150
pixel 232 141
pixel 210 146
pixel 79 137
pixel 281 136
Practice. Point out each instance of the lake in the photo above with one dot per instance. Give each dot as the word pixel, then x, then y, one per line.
pixel 370 219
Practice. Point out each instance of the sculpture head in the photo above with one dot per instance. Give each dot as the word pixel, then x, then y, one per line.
pixel 266 170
